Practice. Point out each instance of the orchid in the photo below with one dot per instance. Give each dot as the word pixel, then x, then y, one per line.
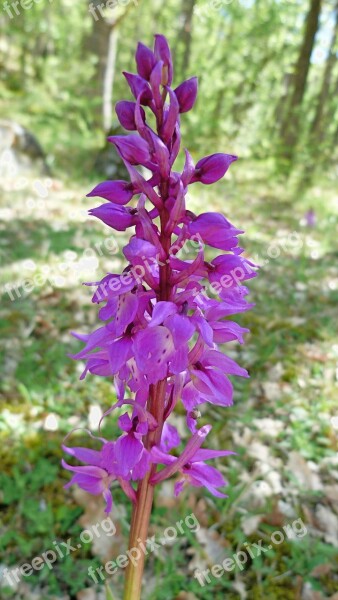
pixel 164 316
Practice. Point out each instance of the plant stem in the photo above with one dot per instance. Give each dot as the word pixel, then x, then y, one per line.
pixel 145 494
pixel 156 406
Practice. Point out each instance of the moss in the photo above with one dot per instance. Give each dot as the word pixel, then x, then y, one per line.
pixel 273 592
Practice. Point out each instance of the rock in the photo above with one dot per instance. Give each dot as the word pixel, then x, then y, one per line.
pixel 88 594
pixel 302 472
pixel 20 150
pixel 310 594
pixel 270 427
pixel 328 522
pixel 250 524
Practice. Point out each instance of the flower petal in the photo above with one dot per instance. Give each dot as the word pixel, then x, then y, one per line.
pixel 128 451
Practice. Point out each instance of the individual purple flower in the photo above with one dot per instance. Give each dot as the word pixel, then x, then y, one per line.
pixel 115 216
pixel 212 168
pixel 310 218
pixel 98 474
pixel 139 87
pixel 145 61
pixel 125 111
pixel 191 464
pixel 162 53
pixel 186 94
pixel 130 452
pixel 215 230
pixel 119 192
pixel 132 148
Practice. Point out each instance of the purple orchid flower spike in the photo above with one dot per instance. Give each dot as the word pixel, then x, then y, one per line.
pixel 164 317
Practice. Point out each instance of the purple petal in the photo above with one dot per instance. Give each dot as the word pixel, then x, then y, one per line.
pixel 145 60
pixel 170 117
pixel 215 387
pixel 204 328
pixel 179 361
pixel 160 155
pixel 115 216
pixel 139 87
pixel 209 477
pixel 119 352
pixel 189 168
pixel 109 457
pixel 181 327
pixel 125 422
pixel 94 472
pixel 128 451
pixel 212 168
pixel 186 94
pixel 179 487
pixel 126 310
pixel 132 148
pixel 158 456
pixel 155 82
pixel 109 310
pixel 95 340
pixel 227 331
pixel 112 286
pixel 206 454
pixel 142 467
pixel 170 438
pixel 162 52
pixel 118 191
pixel 109 501
pixel 153 347
pixel 161 311
pixel 213 358
pixel 138 247
pixel 214 229
pixel 88 484
pixel 142 185
pixel 91 457
pixel 125 111
pixel 187 455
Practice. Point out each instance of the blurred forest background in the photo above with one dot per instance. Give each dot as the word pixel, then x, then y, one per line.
pixel 268 83
pixel 267 72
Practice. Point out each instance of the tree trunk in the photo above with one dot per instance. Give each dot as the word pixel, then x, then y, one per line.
pixel 98 45
pixel 103 44
pixel 290 125
pixel 186 34
pixel 108 80
pixel 316 130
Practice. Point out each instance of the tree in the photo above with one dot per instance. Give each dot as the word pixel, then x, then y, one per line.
pixel 322 99
pixel 103 44
pixel 290 124
pixel 185 35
